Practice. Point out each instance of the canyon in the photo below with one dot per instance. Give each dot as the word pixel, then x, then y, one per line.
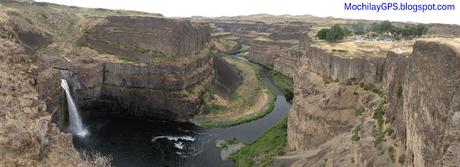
pixel 354 104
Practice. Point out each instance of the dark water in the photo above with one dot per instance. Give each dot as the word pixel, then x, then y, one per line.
pixel 140 142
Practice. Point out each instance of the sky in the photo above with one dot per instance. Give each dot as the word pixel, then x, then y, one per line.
pixel 322 8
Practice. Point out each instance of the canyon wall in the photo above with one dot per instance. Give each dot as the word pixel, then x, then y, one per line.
pixel 419 99
pixel 265 51
pixel 289 62
pixel 173 37
pixel 169 90
pixel 142 65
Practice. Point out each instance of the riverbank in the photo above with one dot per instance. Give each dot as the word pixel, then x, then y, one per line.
pixel 250 100
pixel 261 151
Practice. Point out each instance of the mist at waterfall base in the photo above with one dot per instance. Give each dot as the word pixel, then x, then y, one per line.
pixel 75 122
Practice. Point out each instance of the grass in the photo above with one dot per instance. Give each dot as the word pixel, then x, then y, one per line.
pixel 241 98
pixel 359 111
pixel 355 132
pixel 402 159
pixel 372 88
pixel 128 58
pixel 282 81
pixel 208 123
pixel 227 143
pixel 379 116
pixel 261 151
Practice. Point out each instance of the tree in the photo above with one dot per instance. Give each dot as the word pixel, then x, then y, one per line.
pixel 421 29
pixel 322 33
pixel 335 33
pixel 386 26
pixel 358 28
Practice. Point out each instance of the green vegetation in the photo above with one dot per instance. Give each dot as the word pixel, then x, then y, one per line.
pixel 391 153
pixel 227 143
pixel 378 137
pixel 261 151
pixel 358 29
pixel 131 47
pixel 373 88
pixel 129 58
pixel 355 132
pixel 390 131
pixel 402 159
pixel 282 81
pixel 379 116
pixel 334 34
pixel 245 102
pixel 155 53
pixel 386 29
pixel 327 80
pixel 359 111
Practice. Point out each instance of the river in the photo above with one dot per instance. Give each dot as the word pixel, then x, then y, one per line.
pixel 140 142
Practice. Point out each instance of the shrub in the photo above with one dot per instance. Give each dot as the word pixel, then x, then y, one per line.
pixel 335 33
pixel 391 153
pixel 378 137
pixel 372 88
pixel 359 111
pixel 327 80
pixel 322 33
pixel 379 115
pixel 390 131
pixel 402 158
pixel 355 132
pixel 358 28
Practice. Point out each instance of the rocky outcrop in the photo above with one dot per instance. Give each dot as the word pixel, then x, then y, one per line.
pixel 27 135
pixel 227 77
pixel 431 104
pixel 289 62
pixel 421 104
pixel 169 90
pixel 170 71
pixel 177 38
pixel 265 51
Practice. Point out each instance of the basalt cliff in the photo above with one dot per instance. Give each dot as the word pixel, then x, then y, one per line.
pixel 122 62
pixel 398 109
pixel 392 107
pixel 396 106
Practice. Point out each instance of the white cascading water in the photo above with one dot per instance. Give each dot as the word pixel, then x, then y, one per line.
pixel 76 125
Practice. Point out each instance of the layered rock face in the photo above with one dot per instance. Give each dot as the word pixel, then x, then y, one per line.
pixel 421 103
pixel 265 51
pixel 289 62
pixel 178 38
pixel 431 104
pixel 171 90
pixel 139 65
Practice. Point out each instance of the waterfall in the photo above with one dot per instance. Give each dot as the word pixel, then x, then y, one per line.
pixel 76 125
